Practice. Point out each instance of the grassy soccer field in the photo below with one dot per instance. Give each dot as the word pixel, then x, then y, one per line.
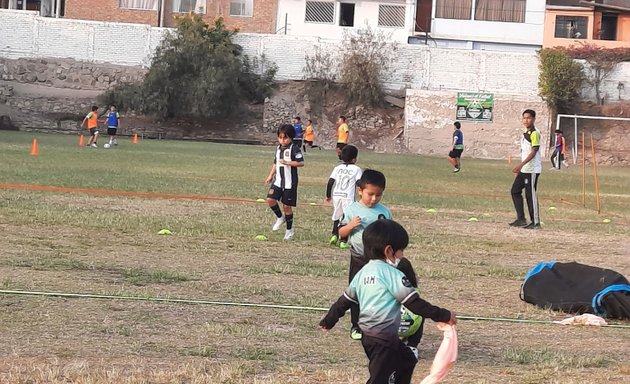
pixel 98 233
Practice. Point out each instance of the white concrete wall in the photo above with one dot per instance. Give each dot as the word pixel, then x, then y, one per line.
pixel 365 14
pixel 530 32
pixel 24 34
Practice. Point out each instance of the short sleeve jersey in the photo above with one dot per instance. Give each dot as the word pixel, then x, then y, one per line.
pixel 343 133
pixel 459 139
pixel 92 120
pixel 298 130
pixel 309 134
pixel 346 177
pixel 286 176
pixel 379 289
pixel 531 139
pixel 368 216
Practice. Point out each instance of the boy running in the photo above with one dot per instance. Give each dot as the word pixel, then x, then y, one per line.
pixel 341 188
pixel 92 125
pixel 379 289
pixel 355 219
pixel 454 156
pixel 309 136
pixel 283 178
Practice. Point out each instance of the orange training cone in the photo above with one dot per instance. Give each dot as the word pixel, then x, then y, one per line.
pixel 81 141
pixel 34 149
pixel 135 138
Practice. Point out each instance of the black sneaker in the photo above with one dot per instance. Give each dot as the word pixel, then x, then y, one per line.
pixel 519 223
pixel 532 226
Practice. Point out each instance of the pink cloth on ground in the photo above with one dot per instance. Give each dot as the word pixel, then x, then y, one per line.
pixel 445 356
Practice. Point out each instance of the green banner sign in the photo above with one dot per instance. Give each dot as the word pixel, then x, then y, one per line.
pixel 474 106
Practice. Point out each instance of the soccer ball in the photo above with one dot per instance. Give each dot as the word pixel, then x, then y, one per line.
pixel 106 145
pixel 409 323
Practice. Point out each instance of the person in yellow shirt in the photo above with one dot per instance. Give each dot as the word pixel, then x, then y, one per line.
pixel 343 134
pixel 92 125
pixel 309 136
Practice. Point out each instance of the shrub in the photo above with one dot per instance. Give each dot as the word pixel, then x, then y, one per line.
pixel 560 80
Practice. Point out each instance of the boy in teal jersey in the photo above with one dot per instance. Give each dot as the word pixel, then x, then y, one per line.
pixel 380 289
pixel 356 217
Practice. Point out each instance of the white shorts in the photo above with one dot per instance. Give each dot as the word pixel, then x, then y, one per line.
pixel 339 205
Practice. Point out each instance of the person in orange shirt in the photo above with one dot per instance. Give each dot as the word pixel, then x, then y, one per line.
pixel 92 126
pixel 309 136
pixel 343 134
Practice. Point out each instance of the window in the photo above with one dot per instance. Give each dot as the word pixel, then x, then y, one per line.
pixel 185 6
pixel 609 27
pixel 151 5
pixel 320 12
pixel 346 14
pixel 501 10
pixel 453 9
pixel 391 16
pixel 571 27
pixel 242 8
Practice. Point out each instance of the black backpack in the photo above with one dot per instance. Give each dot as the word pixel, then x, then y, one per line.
pixel 577 288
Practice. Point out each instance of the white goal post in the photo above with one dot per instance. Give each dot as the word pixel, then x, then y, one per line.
pixel 575 119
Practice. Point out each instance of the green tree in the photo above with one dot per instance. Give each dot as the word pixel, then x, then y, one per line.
pixel 198 71
pixel 561 78
pixel 602 61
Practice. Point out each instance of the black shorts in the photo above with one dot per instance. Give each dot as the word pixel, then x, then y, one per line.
pixel 455 153
pixel 287 196
pixel 93 131
pixel 111 131
pixel 308 142
pixel 341 145
pixel 298 142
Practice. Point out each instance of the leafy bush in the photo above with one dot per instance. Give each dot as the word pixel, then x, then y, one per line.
pixel 366 55
pixel 561 79
pixel 197 71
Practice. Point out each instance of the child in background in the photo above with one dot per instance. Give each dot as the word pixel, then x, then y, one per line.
pixel 379 289
pixel 355 219
pixel 113 123
pixel 92 125
pixel 557 157
pixel 309 136
pixel 343 135
pixel 299 133
pixel 341 188
pixel 283 178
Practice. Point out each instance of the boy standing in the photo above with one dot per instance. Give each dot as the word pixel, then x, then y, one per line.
pixel 380 289
pixel 355 219
pixel 527 174
pixel 113 123
pixel 297 125
pixel 283 178
pixel 341 188
pixel 557 157
pixel 455 154
pixel 92 126
pixel 343 134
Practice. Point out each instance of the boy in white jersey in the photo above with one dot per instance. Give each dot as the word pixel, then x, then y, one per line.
pixel 527 174
pixel 341 188
pixel 283 178
pixel 380 289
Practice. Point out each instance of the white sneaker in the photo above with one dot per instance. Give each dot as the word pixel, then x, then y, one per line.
pixel 288 235
pixel 278 223
pixel 94 145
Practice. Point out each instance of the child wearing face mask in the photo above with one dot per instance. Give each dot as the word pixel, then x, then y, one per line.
pixel 379 290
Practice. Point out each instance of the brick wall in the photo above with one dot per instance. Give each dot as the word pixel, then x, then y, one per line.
pixel 262 21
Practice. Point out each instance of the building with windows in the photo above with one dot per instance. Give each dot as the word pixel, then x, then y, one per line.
pixel 605 23
pixel 507 25
pixel 46 8
pixel 246 15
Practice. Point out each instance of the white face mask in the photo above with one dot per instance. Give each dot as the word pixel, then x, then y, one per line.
pixel 393 263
